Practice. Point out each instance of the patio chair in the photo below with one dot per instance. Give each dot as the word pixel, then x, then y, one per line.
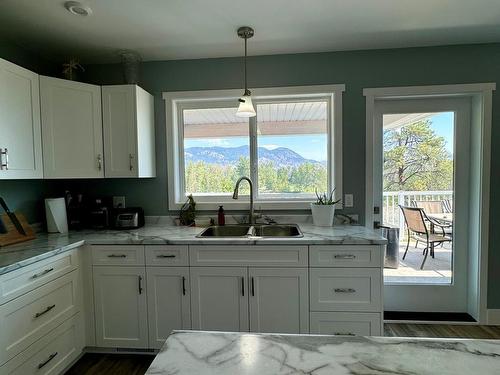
pixel 448 206
pixel 415 220
pixel 435 207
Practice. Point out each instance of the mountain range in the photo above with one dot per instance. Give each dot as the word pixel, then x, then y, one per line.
pixel 280 156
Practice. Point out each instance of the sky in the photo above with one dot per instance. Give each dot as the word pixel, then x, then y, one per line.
pixel 315 146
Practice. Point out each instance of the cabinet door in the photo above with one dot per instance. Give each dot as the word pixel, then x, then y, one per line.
pixel 20 129
pixel 72 129
pixel 120 130
pixel 168 302
pixel 219 298
pixel 279 300
pixel 120 306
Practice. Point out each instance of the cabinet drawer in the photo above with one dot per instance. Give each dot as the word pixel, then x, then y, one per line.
pixel 51 354
pixel 345 256
pixel 260 256
pixel 15 283
pixel 166 255
pixel 29 317
pixel 346 323
pixel 345 289
pixel 118 255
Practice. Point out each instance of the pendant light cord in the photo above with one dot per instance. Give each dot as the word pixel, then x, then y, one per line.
pixel 246 85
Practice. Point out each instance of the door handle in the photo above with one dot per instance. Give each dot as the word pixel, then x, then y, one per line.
pixel 344 290
pixel 131 161
pixel 183 286
pixel 344 256
pixel 140 284
pixel 117 256
pixel 51 357
pixel 4 152
pixel 99 162
pixel 165 256
pixel 253 288
pixel 39 314
pixel 243 287
pixel 44 272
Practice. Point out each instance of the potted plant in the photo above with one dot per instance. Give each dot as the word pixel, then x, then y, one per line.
pixel 323 210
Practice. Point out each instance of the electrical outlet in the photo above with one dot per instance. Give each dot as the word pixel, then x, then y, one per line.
pixel 119 202
pixel 348 200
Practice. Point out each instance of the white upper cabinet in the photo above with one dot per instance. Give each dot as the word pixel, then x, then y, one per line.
pixel 20 134
pixel 129 141
pixel 71 129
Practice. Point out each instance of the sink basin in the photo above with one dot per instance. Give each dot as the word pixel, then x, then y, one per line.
pixel 241 231
pixel 225 231
pixel 278 231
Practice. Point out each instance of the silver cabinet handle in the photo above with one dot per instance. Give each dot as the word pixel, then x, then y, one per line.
pixel 99 161
pixel 44 272
pixel 131 161
pixel 51 357
pixel 4 152
pixel 344 290
pixel 117 256
pixel 344 256
pixel 37 315
pixel 344 334
pixel 140 284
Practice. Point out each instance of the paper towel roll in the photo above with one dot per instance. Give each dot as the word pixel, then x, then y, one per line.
pixel 55 211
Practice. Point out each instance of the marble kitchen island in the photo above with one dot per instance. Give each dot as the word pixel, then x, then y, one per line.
pixel 201 352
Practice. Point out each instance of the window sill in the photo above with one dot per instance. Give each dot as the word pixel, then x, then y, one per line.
pixel 243 204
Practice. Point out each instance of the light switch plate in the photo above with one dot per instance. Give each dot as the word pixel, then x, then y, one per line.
pixel 119 202
pixel 348 200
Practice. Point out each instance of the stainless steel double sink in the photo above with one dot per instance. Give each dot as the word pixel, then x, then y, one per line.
pixel 253 230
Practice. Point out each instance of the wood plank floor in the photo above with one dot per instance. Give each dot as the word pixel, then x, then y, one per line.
pixel 136 364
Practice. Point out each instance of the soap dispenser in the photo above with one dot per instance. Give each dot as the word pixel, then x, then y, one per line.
pixel 221 218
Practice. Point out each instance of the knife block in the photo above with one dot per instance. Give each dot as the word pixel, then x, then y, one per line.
pixel 12 235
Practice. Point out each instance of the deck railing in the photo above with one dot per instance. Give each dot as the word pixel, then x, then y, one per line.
pixel 393 215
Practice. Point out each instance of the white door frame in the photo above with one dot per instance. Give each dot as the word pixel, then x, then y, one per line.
pixel 481 97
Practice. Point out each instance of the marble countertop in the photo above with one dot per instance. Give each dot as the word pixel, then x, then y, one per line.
pixel 46 245
pixel 197 352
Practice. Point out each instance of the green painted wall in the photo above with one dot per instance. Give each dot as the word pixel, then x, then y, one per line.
pixel 357 70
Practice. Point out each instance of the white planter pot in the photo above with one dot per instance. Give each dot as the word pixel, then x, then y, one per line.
pixel 323 214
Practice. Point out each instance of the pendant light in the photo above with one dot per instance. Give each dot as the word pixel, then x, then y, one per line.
pixel 245 108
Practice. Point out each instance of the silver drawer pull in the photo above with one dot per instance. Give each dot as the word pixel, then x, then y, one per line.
pixel 344 290
pixel 165 256
pixel 344 256
pixel 37 315
pixel 117 256
pixel 44 272
pixel 51 357
pixel 344 334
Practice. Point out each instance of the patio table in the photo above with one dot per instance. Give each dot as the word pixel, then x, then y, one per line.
pixel 445 218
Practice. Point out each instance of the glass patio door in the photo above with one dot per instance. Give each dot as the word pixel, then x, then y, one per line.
pixel 421 188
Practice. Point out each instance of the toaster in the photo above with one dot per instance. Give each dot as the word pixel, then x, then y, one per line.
pixel 129 218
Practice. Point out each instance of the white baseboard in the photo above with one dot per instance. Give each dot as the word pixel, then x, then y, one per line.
pixel 493 317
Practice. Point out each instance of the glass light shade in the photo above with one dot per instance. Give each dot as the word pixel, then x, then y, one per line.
pixel 246 108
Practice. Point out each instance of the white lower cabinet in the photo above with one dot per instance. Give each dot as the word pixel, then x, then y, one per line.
pixel 52 353
pixel 279 300
pixel 346 323
pixel 219 298
pixel 120 306
pixel 168 302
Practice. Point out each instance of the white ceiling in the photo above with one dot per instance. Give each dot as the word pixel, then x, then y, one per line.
pixel 182 29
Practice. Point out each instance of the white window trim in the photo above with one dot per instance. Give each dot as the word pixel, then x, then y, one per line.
pixel 218 97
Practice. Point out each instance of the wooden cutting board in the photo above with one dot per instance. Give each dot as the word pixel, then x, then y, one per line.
pixel 13 236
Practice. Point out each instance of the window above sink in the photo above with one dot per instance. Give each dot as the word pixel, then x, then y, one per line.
pixel 290 149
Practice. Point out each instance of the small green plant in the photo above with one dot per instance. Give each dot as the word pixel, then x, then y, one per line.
pixel 326 199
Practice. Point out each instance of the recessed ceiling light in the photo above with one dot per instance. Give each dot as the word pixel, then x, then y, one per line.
pixel 75 7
